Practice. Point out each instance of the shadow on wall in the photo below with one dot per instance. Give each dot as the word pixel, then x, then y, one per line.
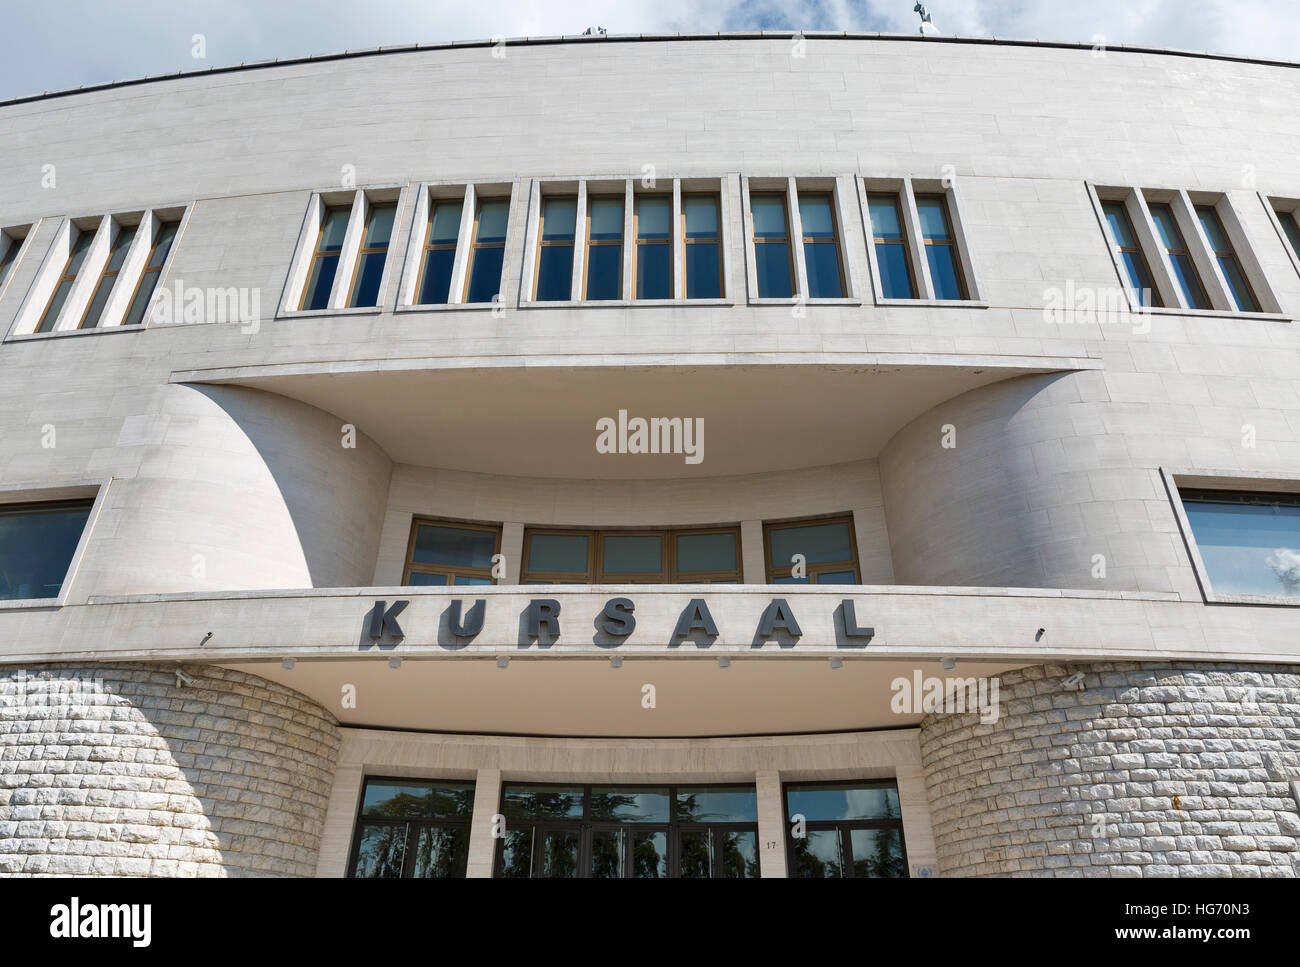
pixel 333 482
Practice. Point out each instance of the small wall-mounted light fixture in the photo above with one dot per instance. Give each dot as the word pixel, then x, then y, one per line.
pixel 724 662
pixel 837 663
pixel 949 664
pixel 503 662
pixel 287 664
pixel 205 639
pixel 1038 635
pixel 395 662
pixel 615 661
pixel 182 679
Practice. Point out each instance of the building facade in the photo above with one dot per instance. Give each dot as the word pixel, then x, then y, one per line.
pixel 743 455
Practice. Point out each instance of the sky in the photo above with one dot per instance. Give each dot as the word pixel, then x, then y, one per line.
pixel 48 45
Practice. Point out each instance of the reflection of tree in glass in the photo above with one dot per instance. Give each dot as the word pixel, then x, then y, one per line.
pixel 738 854
pixel 402 804
pixel 441 851
pixel 807 862
pixel 517 852
pixel 695 860
pixel 607 854
pixel 605 806
pixel 649 856
pixel 540 805
pixel 381 850
pixel 886 856
pixel 560 855
pixel 1285 564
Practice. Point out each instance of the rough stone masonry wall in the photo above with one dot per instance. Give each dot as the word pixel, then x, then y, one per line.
pixel 114 770
pixel 1149 770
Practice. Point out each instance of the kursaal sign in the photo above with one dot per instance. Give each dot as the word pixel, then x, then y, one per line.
pixel 617 620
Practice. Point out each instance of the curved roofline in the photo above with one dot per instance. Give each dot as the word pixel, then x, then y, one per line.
pixel 642 38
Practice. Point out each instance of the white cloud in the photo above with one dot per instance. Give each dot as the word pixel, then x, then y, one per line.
pixel 57 44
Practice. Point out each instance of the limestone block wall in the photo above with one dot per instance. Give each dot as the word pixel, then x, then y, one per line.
pixel 114 770
pixel 1150 770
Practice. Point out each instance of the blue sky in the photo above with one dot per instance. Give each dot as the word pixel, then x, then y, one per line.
pixel 59 44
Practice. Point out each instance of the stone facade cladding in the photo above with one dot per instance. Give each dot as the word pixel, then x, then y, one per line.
pixel 1140 770
pixel 115 770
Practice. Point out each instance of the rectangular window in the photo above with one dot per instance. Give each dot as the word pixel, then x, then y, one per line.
pixel 1250 542
pixel 1136 271
pixel 443 553
pixel 79 244
pixel 851 829
pixel 940 247
pixel 702 246
pixel 654 246
pixel 697 556
pixel 555 249
pixel 603 269
pixel 369 272
pixel 439 253
pixel 10 245
pixel 108 277
pixel 628 832
pixel 1180 258
pixel 811 552
pixel 773 262
pixel 487 250
pixel 164 236
pixel 821 249
pixel 325 257
pixel 1288 220
pixel 412 828
pixel 1242 295
pixel 37 542
pixel 890 241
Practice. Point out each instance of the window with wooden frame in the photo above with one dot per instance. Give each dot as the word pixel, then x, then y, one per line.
pixel 439 258
pixel 702 246
pixel 1137 273
pixel 164 235
pixel 1179 255
pixel 773 258
pixel 708 555
pixel 1243 296
pixel 556 234
pixel 373 255
pixel 325 257
pixel 821 246
pixel 941 247
pixel 602 268
pixel 487 250
pixel 121 244
pixel 823 549
pixel 889 239
pixel 79 245
pixel 652 229
pixel 441 553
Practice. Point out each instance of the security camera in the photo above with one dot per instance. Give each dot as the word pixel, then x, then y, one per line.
pixel 182 679
pixel 1073 680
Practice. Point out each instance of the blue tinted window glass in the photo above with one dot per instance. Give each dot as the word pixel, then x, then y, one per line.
pixel 380 226
pixel 454 546
pixel 706 552
pixel 1163 217
pixel 895 271
pixel 837 577
pixel 878 852
pixel 492 220
pixel 485 275
pixel 934 223
pixel 701 216
pixel 653 216
pixel 1241 294
pixel 37 542
pixel 1188 281
pixel 418 580
pixel 632 554
pixel 530 803
pixel 1139 281
pixel 444 227
pixel 1209 220
pixel 653 271
pixel 943 271
pixel 392 798
pixel 769 215
pixel 466 579
pixel 559 216
pixel 1292 229
pixel 555 273
pixel 557 552
pixel 333 229
pixel 702 276
pixel 1120 229
pixel 822 262
pixel 629 805
pixel 885 220
pixel 436 286
pixel 1248 548
pixel 604 268
pixel 717 805
pixel 815 218
pixel 381 850
pixel 818 855
pixel 370 273
pixel 320 282
pixel 606 216
pixel 818 543
pixel 772 266
pixel 828 802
